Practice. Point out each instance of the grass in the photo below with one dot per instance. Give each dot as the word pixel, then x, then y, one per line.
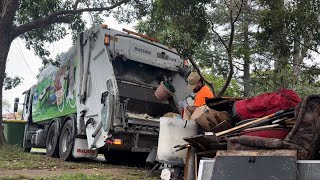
pixel 13 158
pixel 80 176
pixel 94 177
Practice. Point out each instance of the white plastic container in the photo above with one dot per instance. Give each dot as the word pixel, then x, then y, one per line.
pixel 172 132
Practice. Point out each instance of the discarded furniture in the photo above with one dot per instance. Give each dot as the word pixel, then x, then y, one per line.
pixel 303 137
pixel 250 165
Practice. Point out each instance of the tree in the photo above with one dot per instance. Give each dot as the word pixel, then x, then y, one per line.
pixel 233 10
pixel 288 33
pixel 40 21
pixel 11 82
pixel 184 25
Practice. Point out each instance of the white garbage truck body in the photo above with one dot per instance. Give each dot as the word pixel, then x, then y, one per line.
pixel 101 96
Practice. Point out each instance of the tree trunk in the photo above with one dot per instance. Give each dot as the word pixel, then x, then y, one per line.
pixel 280 48
pixel 8 10
pixel 4 50
pixel 296 58
pixel 229 47
pixel 246 58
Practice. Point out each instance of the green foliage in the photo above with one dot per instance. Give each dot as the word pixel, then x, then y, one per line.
pixel 177 24
pixel 282 22
pixel 11 82
pixel 233 88
pixel 211 55
pixel 274 26
pixel 135 10
pixel 30 11
pixel 309 82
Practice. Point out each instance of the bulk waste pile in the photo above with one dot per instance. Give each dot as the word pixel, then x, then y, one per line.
pixel 227 133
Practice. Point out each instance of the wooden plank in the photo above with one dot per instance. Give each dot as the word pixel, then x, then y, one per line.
pixel 222 104
pixel 211 153
pixel 224 125
pixel 189 168
pixel 196 165
pixel 245 125
pixel 186 167
pixel 262 127
pixel 280 152
pixel 202 142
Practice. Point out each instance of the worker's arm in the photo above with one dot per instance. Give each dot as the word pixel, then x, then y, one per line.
pixel 191 109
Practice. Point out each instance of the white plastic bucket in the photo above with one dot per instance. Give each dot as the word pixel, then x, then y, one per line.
pixel 172 132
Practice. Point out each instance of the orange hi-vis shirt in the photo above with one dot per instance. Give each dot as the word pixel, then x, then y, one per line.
pixel 200 98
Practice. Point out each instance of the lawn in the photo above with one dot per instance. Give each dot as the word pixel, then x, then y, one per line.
pixel 16 164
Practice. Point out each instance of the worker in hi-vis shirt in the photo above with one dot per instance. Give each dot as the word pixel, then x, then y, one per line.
pixel 202 92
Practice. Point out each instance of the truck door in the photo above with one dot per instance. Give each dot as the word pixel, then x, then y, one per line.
pixel 27 106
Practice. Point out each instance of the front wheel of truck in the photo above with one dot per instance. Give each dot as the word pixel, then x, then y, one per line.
pixel 52 140
pixel 66 141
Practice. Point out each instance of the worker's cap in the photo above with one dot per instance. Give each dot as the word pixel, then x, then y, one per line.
pixel 193 79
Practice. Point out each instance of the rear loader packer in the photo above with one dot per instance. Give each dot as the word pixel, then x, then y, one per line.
pixel 100 98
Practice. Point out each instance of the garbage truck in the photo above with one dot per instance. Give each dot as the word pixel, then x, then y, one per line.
pixel 100 98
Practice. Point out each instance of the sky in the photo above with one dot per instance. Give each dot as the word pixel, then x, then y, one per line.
pixel 24 63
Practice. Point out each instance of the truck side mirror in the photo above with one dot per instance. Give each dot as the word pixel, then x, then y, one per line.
pixel 15 105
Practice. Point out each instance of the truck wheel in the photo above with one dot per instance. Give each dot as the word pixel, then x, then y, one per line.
pixel 66 141
pixel 52 140
pixel 27 150
pixel 112 157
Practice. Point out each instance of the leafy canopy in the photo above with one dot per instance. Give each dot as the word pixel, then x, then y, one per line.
pixel 11 82
pixel 60 18
pixel 177 24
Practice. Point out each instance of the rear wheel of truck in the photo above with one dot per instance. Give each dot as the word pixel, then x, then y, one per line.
pixel 127 158
pixel 66 141
pixel 52 140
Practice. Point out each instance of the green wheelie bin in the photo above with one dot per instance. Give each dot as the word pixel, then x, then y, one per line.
pixel 14 131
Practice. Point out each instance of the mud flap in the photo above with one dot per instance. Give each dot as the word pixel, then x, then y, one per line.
pixel 81 150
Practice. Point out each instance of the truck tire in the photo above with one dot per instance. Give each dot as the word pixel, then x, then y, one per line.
pixel 66 141
pixel 52 140
pixel 112 157
pixel 27 150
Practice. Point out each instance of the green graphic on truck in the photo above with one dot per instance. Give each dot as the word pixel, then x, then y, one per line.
pixel 54 94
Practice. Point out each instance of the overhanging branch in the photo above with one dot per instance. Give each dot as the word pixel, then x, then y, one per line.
pixel 305 45
pixel 229 49
pixel 239 12
pixel 217 34
pixel 55 18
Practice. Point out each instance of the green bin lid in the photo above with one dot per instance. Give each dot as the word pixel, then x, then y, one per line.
pixel 14 121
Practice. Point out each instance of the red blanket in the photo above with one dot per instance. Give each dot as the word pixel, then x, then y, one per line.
pixel 265 104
